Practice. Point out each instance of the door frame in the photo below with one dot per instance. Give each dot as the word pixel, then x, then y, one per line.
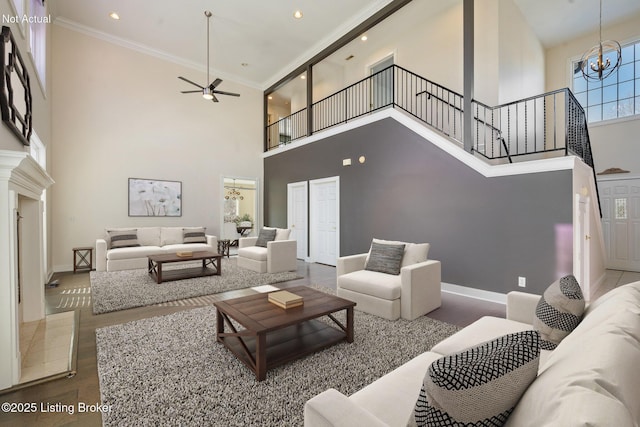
pixel 290 187
pixel 257 224
pixel 582 244
pixel 313 250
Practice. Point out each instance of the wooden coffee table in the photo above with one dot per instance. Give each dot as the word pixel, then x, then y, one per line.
pixel 273 336
pixel 208 258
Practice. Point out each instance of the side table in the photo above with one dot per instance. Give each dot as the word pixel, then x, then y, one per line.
pixel 223 247
pixel 82 259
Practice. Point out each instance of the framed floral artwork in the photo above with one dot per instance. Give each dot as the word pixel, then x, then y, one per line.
pixel 154 197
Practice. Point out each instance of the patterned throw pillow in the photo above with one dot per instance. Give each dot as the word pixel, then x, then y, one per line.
pixel 266 236
pixel 559 311
pixel 481 385
pixel 385 258
pixel 123 238
pixel 194 235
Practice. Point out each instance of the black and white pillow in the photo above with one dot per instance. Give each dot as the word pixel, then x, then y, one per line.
pixel 193 235
pixel 385 258
pixel 123 238
pixel 481 385
pixel 266 235
pixel 559 311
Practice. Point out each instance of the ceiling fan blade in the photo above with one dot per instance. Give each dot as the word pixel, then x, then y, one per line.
pixel 214 99
pixel 215 83
pixel 189 81
pixel 190 91
pixel 226 93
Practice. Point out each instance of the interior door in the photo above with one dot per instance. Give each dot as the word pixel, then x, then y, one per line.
pixel 297 214
pixel 582 254
pixel 620 199
pixel 325 220
pixel 381 83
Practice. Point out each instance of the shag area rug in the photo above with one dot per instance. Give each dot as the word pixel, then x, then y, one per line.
pixel 119 290
pixel 170 370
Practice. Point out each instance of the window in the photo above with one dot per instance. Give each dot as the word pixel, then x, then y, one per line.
pixel 38 38
pixel 616 96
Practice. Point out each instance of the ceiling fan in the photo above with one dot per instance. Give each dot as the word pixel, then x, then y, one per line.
pixel 208 92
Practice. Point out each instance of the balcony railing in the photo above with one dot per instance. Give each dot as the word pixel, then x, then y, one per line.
pixel 534 127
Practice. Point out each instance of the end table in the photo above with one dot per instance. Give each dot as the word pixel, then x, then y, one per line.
pixel 82 259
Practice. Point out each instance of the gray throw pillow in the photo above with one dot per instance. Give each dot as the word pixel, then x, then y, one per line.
pixel 559 311
pixel 265 236
pixel 194 235
pixel 385 258
pixel 481 385
pixel 123 238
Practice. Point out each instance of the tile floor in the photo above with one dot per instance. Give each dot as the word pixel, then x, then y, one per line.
pixel 46 345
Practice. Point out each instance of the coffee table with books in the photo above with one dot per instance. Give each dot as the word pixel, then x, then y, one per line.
pixel 210 265
pixel 271 336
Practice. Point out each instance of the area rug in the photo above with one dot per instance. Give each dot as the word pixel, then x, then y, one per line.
pixel 170 370
pixel 120 290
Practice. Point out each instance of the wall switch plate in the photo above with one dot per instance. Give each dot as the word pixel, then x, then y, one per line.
pixel 522 282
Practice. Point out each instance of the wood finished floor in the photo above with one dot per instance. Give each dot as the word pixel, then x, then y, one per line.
pixel 84 387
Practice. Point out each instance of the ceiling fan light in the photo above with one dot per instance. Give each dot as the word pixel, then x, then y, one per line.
pixel 206 94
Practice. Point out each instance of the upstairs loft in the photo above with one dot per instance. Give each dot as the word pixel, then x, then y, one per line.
pixel 552 124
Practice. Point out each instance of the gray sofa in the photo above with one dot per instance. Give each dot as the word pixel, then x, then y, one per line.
pixel 591 378
pixel 151 241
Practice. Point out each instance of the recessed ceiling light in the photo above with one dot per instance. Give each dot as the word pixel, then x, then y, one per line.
pixel 297 14
pixel 303 77
pixel 114 15
pixel 363 38
pixel 270 97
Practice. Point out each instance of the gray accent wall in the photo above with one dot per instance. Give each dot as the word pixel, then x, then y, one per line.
pixel 486 231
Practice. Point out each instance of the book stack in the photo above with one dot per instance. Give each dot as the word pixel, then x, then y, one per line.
pixel 184 253
pixel 285 299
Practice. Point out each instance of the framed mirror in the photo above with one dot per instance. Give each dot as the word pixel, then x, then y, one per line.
pixel 15 89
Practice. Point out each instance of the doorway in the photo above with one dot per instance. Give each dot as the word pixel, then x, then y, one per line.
pixel 324 220
pixel 381 82
pixel 582 253
pixel 297 214
pixel 240 214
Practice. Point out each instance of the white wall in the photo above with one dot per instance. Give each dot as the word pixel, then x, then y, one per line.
pixel 614 144
pixel 427 39
pixel 119 114
pixel 521 56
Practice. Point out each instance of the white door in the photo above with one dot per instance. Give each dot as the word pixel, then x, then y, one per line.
pixel 324 218
pixel 297 214
pixel 582 254
pixel 620 199
pixel 381 83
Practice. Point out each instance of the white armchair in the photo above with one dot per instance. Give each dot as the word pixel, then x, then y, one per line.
pixel 278 255
pixel 410 294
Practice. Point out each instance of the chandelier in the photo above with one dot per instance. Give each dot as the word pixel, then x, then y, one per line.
pixel 602 66
pixel 233 193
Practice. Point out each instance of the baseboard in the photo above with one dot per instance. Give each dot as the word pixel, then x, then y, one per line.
pixel 474 293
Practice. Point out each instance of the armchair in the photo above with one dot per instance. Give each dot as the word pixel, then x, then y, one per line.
pixel 278 255
pixel 410 294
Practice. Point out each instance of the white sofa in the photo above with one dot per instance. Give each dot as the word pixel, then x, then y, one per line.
pixel 410 294
pixel 592 378
pixel 152 241
pixel 278 256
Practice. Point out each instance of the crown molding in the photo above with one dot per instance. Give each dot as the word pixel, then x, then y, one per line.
pixel 138 47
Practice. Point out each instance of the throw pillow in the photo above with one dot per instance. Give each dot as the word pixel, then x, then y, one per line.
pixel 481 385
pixel 559 311
pixel 385 258
pixel 123 238
pixel 194 235
pixel 265 236
pixel 413 252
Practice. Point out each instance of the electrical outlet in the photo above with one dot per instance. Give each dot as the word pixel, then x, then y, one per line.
pixel 522 282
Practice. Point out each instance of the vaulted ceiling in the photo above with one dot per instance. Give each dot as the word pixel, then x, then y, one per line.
pixel 256 41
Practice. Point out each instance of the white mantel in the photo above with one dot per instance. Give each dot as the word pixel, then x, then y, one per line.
pixel 21 177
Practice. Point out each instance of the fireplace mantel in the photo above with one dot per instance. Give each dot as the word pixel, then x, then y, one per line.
pixel 21 179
